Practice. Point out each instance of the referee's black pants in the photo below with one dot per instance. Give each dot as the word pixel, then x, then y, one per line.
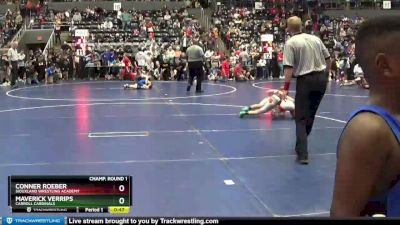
pixel 195 70
pixel 14 72
pixel 310 90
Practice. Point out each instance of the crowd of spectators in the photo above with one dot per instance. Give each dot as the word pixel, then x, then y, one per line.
pixel 255 39
pixel 10 23
pixel 155 42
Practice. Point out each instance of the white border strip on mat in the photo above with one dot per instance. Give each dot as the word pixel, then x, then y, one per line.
pixel 139 103
pixel 304 214
pixel 154 160
pixel 10 93
pixel 328 118
pixel 118 134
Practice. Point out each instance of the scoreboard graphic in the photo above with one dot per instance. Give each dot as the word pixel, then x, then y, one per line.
pixel 74 194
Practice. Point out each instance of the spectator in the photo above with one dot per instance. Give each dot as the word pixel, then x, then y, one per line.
pixel 18 20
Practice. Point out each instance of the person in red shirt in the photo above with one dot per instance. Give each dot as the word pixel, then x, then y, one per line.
pixel 274 11
pixel 242 12
pixel 38 8
pixel 151 35
pixel 315 26
pixel 238 72
pixel 189 32
pixel 237 52
pixel 127 72
pixel 29 7
pixel 277 20
pixel 42 21
pixel 225 68
pixel 265 47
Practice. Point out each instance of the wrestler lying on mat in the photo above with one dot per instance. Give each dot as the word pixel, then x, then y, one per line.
pixel 273 102
pixel 141 82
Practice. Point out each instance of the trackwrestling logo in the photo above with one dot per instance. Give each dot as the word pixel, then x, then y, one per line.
pixel 33 220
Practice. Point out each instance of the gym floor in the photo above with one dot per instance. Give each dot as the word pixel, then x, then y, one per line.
pixel 189 154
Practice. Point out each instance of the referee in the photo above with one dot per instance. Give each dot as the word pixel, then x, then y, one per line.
pixel 13 58
pixel 195 55
pixel 306 58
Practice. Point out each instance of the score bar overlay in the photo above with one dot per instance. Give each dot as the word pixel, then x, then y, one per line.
pixel 75 194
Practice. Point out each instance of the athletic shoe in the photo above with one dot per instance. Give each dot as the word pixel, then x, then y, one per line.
pixel 302 160
pixel 126 86
pixel 242 114
pixel 245 109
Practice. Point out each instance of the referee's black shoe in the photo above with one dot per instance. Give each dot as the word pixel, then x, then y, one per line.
pixel 302 160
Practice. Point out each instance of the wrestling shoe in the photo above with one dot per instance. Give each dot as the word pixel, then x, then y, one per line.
pixel 242 114
pixel 245 109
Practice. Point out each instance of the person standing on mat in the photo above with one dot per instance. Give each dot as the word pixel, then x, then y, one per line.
pixel 368 158
pixel 13 58
pixel 305 57
pixel 195 55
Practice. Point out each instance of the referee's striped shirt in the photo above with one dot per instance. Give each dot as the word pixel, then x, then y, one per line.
pixel 305 53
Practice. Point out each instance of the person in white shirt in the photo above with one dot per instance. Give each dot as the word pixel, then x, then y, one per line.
pixel 140 58
pixel 167 17
pixel 208 53
pixel 233 59
pixel 185 42
pixel 108 24
pixel 359 75
pixel 13 58
pixel 262 67
pixel 77 17
pixel 170 53
pixel 344 65
pixel 119 14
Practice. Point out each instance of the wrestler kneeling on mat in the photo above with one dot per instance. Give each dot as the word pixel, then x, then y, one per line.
pixel 273 102
pixel 142 81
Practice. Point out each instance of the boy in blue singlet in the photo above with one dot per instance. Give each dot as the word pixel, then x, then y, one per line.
pixel 368 159
pixel 142 82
